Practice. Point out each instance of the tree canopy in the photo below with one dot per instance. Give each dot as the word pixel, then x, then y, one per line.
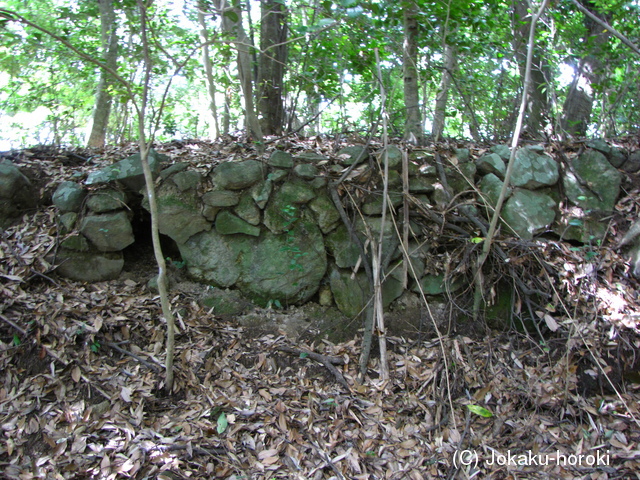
pixel 311 68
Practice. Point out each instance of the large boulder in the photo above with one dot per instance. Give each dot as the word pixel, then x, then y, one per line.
pixel 596 183
pixel 287 267
pixel 237 175
pixel 69 197
pixel 533 170
pixel 16 193
pixel 492 163
pixel 179 212
pixel 109 232
pixel 353 154
pixel 128 171
pixel 490 187
pixel 106 201
pixel 89 266
pixel 528 212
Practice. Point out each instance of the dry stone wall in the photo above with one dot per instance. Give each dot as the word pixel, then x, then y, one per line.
pixel 269 227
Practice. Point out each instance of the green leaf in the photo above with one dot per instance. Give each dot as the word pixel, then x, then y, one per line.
pixel 16 340
pixel 304 354
pixel 477 240
pixel 222 423
pixel 231 15
pixel 575 222
pixel 478 410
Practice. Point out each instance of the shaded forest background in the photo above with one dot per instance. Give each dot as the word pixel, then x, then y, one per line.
pixel 449 68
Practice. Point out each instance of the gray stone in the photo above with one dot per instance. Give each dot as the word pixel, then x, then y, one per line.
pixel 421 184
pixel 128 171
pixel 237 175
pixel 326 214
pixel 228 224
pixel 261 192
pixel 248 210
pixel 461 177
pixel 106 201
pixel 76 242
pixel 287 267
pixel 353 154
pixel 502 150
pixel 395 179
pixel 373 204
pixel 342 248
pixel 600 145
pixel 531 170
pixel 632 165
pixel 318 182
pixel 492 163
pixel 350 291
pixel 188 180
pixel 67 222
pixel 69 197
pixel 440 196
pixel 214 258
pixel 435 285
pixel 310 157
pixel 415 269
pixel 428 170
pixel 491 186
pixel 528 212
pixel 175 168
pixel 283 208
pixel 394 157
pixel 280 159
pixel 89 266
pixel 536 148
pixel 603 181
pixel 221 198
pixel 306 171
pixel 462 154
pixel 374 226
pixel 179 213
pixel 109 232
pixel 615 156
pixel 210 212
pixel 278 175
pixel 586 229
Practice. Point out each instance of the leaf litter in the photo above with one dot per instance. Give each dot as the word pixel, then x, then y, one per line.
pixel 82 393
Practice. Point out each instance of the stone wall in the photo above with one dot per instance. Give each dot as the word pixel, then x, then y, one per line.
pixel 270 229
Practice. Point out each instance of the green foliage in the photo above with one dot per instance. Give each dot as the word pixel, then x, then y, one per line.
pixel 478 410
pixel 330 60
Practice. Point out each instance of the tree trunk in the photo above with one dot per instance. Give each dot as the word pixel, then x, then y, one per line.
pixel 538 98
pixel 208 71
pixel 232 23
pixel 579 102
pixel 413 123
pixel 273 58
pixel 102 109
pixel 443 92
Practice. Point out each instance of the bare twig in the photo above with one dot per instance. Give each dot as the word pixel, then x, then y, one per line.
pixel 327 361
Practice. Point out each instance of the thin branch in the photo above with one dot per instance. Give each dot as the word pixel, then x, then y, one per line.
pixel 604 24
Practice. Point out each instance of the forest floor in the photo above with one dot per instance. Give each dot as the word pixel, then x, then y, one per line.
pixel 82 378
